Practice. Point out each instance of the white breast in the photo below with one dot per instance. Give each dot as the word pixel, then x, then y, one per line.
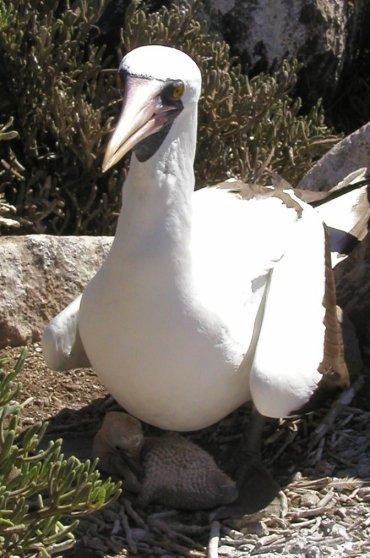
pixel 168 342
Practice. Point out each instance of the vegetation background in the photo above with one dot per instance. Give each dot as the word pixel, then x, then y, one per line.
pixel 59 98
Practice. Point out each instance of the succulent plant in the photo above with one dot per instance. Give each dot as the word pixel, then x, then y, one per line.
pixel 39 489
pixel 7 211
pixel 58 87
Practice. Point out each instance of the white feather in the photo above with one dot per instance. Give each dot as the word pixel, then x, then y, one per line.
pixel 202 290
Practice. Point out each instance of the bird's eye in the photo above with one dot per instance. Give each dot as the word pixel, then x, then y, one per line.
pixel 173 91
pixel 178 90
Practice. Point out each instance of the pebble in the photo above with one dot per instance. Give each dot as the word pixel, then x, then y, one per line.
pixel 364 492
pixel 227 551
pixel 340 531
pixel 309 499
pixel 327 526
pixel 313 552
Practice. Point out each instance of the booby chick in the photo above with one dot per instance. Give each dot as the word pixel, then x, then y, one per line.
pixel 206 300
pixel 169 469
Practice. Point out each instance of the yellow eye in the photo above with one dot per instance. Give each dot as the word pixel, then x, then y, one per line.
pixel 178 90
pixel 172 91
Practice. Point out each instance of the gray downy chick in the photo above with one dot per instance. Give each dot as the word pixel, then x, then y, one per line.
pixel 180 474
pixel 169 470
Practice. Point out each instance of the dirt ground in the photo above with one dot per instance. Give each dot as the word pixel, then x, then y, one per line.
pixel 321 462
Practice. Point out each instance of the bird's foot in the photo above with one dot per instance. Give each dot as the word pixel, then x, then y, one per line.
pixel 256 488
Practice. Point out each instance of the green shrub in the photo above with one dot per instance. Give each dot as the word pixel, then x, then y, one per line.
pixel 7 211
pixel 58 83
pixel 38 488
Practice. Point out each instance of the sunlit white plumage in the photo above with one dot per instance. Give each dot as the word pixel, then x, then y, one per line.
pixel 206 300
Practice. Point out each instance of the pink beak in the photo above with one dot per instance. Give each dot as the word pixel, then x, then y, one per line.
pixel 143 114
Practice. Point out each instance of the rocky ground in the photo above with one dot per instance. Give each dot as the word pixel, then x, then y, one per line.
pixel 322 463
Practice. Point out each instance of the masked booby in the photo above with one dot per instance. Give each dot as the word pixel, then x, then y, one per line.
pixel 206 300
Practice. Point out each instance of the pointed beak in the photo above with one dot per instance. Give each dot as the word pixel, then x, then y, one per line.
pixel 143 114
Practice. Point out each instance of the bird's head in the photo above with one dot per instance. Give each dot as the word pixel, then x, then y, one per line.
pixel 121 431
pixel 159 84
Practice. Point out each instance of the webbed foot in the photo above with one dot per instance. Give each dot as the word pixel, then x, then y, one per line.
pixel 256 489
pixel 255 484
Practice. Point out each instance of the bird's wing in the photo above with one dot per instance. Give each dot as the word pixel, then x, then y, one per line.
pixel 61 341
pixel 345 208
pixel 300 346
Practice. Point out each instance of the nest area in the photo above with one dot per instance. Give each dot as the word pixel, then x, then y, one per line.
pixel 321 461
pixel 322 510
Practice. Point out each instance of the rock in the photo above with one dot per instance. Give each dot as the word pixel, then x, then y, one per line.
pixel 39 276
pixel 346 157
pixel 309 499
pixel 263 33
pixel 327 36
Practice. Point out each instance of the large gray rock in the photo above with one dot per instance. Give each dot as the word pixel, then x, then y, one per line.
pixel 39 276
pixel 330 37
pixel 350 154
pixel 263 32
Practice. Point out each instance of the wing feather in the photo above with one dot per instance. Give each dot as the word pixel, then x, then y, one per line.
pixel 61 342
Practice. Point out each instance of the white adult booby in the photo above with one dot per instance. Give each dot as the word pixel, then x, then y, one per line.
pixel 206 300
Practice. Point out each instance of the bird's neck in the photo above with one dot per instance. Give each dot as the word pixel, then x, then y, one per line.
pixel 156 200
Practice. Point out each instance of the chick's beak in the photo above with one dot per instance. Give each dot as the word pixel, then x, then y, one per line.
pixel 142 115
